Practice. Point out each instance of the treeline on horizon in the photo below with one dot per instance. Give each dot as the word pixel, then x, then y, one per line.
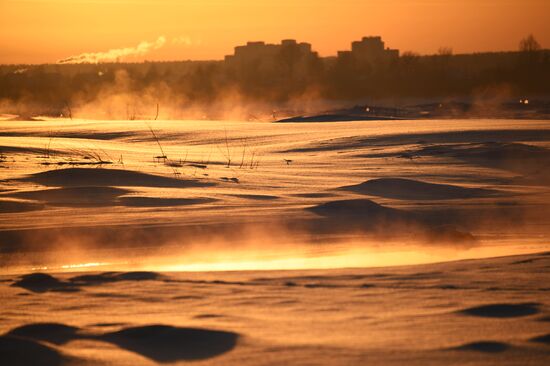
pixel 53 89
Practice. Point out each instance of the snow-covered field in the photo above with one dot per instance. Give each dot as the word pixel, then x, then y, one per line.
pixel 357 214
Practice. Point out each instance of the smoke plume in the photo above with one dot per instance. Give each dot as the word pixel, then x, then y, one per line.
pixel 115 54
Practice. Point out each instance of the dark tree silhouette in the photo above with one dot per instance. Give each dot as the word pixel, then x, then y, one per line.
pixel 529 44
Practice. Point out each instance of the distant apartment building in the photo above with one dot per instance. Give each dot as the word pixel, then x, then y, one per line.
pixel 284 68
pixel 261 52
pixel 370 50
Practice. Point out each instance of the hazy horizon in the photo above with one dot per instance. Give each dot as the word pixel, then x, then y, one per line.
pixel 46 31
pixel 271 205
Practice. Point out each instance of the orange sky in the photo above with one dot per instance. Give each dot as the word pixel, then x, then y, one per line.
pixel 43 31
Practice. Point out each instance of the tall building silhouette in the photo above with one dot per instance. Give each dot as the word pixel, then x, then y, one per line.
pixel 370 50
pixel 254 52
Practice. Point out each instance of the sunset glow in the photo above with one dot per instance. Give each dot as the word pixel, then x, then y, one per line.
pixel 278 182
pixel 45 31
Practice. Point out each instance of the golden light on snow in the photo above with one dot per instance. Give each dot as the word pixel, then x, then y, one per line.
pixel 125 259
